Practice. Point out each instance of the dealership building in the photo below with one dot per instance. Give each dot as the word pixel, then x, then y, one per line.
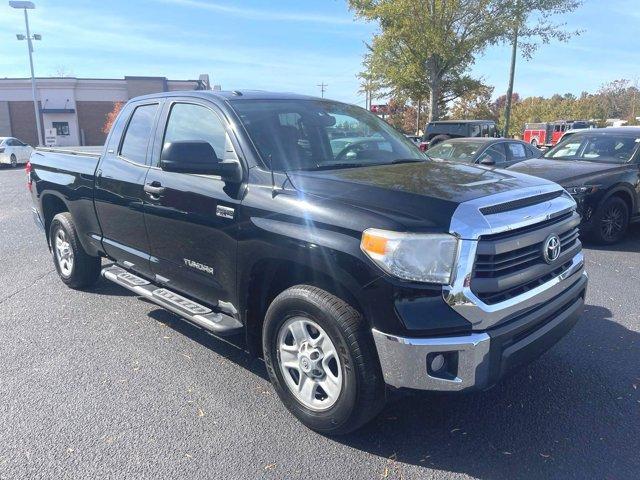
pixel 76 108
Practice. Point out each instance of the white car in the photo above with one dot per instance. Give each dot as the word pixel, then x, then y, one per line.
pixel 13 151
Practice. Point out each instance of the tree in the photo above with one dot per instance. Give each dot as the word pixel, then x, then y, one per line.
pixel 530 22
pixel 476 104
pixel 425 47
pixel 111 117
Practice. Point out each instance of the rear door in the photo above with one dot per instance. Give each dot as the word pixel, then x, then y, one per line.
pixel 120 178
pixel 192 222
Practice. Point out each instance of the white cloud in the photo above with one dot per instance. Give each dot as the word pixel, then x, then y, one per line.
pixel 261 14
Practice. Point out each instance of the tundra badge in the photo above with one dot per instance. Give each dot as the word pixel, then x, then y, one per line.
pixel 224 212
pixel 198 266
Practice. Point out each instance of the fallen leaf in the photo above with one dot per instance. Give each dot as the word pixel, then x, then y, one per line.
pixel 270 466
pixel 200 412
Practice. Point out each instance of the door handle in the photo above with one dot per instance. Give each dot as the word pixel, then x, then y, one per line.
pixel 154 189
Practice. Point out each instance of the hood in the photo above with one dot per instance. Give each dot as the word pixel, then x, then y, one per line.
pixel 565 172
pixel 423 194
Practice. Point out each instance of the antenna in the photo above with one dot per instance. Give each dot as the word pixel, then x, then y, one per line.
pixel 323 86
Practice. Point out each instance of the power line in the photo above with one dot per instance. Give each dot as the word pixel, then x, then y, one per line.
pixel 323 86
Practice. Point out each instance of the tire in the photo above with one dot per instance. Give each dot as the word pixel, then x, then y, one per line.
pixel 76 268
pixel 353 362
pixel 437 139
pixel 14 161
pixel 610 222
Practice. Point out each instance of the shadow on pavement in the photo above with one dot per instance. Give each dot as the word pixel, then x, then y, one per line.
pixel 571 414
pixel 631 242
pixel 232 348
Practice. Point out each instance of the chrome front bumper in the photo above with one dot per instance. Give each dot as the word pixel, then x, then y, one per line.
pixel 480 359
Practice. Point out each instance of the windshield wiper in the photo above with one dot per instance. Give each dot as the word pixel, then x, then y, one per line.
pixel 407 160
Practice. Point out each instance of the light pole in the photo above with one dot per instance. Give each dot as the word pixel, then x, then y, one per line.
pixel 30 6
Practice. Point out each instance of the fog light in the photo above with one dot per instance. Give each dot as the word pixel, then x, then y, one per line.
pixel 437 362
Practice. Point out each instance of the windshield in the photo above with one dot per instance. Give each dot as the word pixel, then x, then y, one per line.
pixel 457 151
pixel 321 134
pixel 596 147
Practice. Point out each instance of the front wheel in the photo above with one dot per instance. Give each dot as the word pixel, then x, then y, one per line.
pixel 14 161
pixel 321 360
pixel 75 267
pixel 610 221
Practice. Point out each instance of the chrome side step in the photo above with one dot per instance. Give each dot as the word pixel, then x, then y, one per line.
pixel 216 322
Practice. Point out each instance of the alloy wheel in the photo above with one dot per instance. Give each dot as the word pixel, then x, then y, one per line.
pixel 612 222
pixel 64 253
pixel 309 363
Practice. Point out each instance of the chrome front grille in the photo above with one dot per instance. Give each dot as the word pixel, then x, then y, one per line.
pixel 511 263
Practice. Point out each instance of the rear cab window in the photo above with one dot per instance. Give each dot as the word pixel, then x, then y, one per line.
pixel 138 134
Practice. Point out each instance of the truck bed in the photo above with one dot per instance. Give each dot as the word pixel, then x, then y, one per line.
pixel 84 151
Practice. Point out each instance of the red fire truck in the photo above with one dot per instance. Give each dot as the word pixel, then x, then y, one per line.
pixel 545 134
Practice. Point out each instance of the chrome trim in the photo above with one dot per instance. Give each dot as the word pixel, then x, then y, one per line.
pixel 37 219
pixel 470 224
pixel 404 365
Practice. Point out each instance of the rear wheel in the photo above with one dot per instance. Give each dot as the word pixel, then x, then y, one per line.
pixel 611 221
pixel 75 267
pixel 14 161
pixel 321 360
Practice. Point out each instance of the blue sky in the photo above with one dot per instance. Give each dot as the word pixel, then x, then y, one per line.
pixel 287 45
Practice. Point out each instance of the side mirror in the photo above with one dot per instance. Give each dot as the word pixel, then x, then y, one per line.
pixel 487 160
pixel 198 157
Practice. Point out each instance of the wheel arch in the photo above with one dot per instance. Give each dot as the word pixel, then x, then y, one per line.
pixel 271 276
pixel 52 205
pixel 625 193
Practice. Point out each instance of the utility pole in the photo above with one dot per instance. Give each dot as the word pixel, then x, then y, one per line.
pixel 30 6
pixel 512 72
pixel 323 86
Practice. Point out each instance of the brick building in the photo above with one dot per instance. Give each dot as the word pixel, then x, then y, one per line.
pixel 75 107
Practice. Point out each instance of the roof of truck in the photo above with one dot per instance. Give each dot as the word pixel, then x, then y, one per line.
pixel 232 95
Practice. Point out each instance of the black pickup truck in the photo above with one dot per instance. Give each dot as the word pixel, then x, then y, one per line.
pixel 352 268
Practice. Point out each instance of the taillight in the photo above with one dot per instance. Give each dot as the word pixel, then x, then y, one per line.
pixel 27 168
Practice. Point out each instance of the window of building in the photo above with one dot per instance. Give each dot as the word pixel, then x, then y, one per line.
pixel 62 128
pixel 136 138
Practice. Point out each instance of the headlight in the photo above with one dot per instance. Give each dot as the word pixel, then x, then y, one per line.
pixel 412 256
pixel 582 189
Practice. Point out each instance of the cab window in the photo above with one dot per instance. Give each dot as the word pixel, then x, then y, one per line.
pixel 191 122
pixel 138 133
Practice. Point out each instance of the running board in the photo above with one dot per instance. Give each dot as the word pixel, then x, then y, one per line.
pixel 216 322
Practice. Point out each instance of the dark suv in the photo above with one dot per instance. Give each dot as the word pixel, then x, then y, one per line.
pixel 600 168
pixel 436 132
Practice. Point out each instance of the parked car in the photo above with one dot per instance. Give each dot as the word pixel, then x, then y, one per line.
pixel 347 273
pixel 494 152
pixel 600 168
pixel 436 132
pixel 415 138
pixel 13 151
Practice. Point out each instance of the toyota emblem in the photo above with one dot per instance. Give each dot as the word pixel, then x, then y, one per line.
pixel 551 248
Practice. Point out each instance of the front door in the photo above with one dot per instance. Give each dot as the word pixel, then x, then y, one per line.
pixel 119 194
pixel 191 219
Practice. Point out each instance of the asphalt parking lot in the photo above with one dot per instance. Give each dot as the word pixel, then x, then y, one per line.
pixel 103 385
